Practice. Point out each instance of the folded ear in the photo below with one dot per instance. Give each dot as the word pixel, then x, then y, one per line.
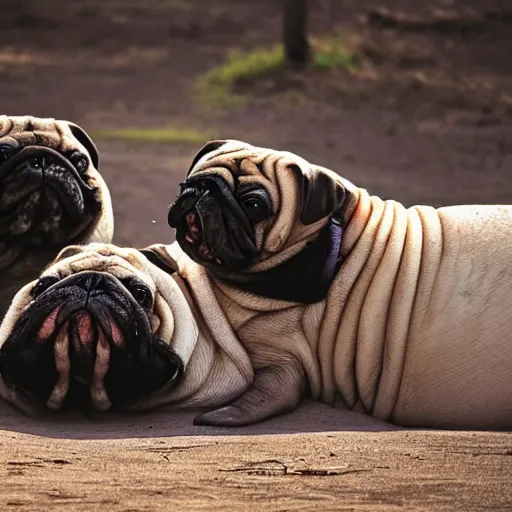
pixel 158 256
pixel 81 135
pixel 67 252
pixel 207 148
pixel 322 193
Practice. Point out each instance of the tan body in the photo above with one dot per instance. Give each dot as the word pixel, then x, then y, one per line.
pixel 417 325
pixel 217 368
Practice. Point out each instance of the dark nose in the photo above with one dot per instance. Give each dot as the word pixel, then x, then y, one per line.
pixel 208 187
pixel 37 165
pixel 91 281
pixel 84 289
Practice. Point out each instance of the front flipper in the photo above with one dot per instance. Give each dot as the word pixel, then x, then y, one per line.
pixel 275 390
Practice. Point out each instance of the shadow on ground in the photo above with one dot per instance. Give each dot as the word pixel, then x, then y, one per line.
pixel 309 417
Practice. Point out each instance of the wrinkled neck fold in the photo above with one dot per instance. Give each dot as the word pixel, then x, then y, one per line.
pixel 202 290
pixel 363 334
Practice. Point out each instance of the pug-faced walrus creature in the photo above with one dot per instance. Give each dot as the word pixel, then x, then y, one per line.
pixel 405 313
pixel 51 195
pixel 136 335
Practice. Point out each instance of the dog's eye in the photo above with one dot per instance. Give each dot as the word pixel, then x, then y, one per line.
pixel 140 292
pixel 255 204
pixel 43 284
pixel 79 161
pixel 6 151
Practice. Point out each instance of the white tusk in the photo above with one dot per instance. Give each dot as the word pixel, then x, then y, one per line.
pixel 98 392
pixel 63 366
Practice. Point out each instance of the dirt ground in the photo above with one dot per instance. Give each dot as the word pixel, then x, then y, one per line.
pixel 426 119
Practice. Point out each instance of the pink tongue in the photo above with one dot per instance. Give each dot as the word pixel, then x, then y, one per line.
pixel 48 327
pixel 84 327
pixel 193 225
pixel 117 336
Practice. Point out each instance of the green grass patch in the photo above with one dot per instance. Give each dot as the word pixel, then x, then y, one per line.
pixel 216 87
pixel 169 135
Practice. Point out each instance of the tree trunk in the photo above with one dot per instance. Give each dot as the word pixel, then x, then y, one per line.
pixel 296 44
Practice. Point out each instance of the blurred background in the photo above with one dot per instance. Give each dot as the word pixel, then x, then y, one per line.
pixel 412 100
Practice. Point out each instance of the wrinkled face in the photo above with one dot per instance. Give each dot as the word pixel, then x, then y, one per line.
pixel 242 204
pixel 86 333
pixel 50 191
pixel 218 211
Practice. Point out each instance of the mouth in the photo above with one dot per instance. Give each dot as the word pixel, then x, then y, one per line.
pixel 82 347
pixel 86 344
pixel 195 239
pixel 45 196
pixel 211 227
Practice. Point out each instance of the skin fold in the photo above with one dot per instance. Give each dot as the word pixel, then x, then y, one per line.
pixel 51 195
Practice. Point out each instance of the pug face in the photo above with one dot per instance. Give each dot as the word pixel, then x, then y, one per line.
pixel 51 193
pixel 88 333
pixel 241 205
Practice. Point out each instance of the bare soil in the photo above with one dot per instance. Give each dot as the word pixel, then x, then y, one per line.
pixel 426 119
